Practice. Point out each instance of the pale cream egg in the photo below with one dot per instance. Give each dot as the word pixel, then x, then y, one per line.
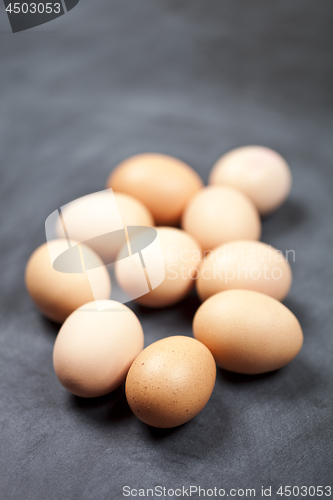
pixel 259 172
pixel 95 348
pixel 99 220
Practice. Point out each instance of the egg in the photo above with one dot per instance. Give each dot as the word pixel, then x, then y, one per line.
pixel 95 347
pixel 181 257
pixel 170 381
pixel 57 294
pixel 98 220
pixel 132 211
pixel 218 214
pixel 163 183
pixel 261 173
pixel 248 332
pixel 250 265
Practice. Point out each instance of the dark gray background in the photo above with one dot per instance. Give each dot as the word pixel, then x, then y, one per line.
pixel 192 79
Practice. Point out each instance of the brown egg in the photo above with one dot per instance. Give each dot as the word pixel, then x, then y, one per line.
pixel 171 381
pixel 219 214
pixel 261 173
pixel 248 332
pixel 95 348
pixel 182 256
pixel 91 217
pixel 163 183
pixel 250 265
pixel 57 294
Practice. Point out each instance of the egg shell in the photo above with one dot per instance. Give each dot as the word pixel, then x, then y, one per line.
pixel 95 348
pixel 251 265
pixel 260 172
pixel 248 332
pixel 92 216
pixel 163 183
pixel 171 381
pixel 218 214
pixel 58 294
pixel 182 256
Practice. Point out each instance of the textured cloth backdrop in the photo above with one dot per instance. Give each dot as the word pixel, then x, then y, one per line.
pixel 191 79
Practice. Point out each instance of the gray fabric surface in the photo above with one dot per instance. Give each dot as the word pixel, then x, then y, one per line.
pixel 192 79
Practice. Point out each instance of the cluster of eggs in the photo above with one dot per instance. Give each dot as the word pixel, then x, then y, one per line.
pixel 241 326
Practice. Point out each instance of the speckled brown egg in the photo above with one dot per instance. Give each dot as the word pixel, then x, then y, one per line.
pixel 218 214
pixel 57 294
pixel 260 172
pixel 248 332
pixel 95 348
pixel 170 381
pixel 250 265
pixel 163 183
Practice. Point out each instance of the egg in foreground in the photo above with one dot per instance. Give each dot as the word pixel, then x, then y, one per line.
pixel 248 332
pixel 57 294
pixel 163 183
pixel 171 381
pixel 260 172
pixel 218 214
pixel 95 348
